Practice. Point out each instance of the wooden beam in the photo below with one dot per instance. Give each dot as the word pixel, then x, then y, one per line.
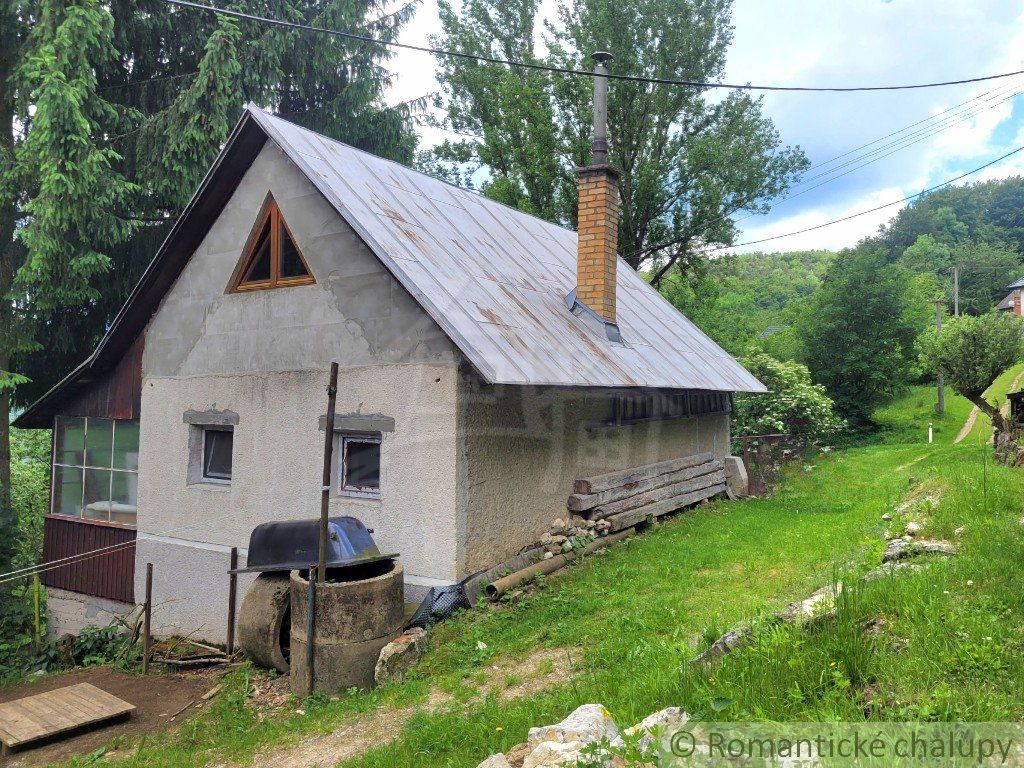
pixel 664 493
pixel 580 502
pixel 610 480
pixel 638 515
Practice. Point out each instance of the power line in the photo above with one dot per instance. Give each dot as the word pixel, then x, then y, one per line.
pixel 907 139
pixel 579 72
pixel 906 128
pixel 896 146
pixel 871 210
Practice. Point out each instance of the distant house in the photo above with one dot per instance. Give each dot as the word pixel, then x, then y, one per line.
pixel 1012 301
pixel 488 359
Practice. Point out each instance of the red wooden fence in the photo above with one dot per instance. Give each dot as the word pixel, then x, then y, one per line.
pixel 109 574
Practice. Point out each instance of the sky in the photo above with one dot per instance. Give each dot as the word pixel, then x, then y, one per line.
pixel 851 43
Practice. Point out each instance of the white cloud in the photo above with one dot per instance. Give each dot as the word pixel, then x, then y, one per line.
pixel 836 236
pixel 847 42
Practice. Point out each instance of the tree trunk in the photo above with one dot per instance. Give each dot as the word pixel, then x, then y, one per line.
pixel 9 45
pixel 5 450
pixel 998 420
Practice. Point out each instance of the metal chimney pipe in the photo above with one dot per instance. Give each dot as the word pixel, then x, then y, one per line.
pixel 599 142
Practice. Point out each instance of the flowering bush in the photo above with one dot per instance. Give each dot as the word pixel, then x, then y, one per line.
pixel 793 404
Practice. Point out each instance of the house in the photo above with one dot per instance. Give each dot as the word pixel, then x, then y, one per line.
pixel 488 359
pixel 1011 302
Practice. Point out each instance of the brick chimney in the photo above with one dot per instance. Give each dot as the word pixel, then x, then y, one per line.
pixel 1016 302
pixel 598 220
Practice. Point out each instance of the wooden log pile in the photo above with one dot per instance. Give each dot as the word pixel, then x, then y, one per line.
pixel 631 496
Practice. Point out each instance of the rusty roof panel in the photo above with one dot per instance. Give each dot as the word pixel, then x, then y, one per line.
pixel 495 279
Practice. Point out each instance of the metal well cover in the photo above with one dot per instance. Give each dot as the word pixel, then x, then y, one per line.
pixel 292 544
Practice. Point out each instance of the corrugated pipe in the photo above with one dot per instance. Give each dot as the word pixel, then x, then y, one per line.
pixel 497 588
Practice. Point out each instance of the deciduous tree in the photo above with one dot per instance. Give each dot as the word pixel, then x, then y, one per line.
pixel 972 351
pixel 688 159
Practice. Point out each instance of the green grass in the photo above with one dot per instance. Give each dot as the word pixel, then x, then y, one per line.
pixel 906 419
pixel 634 615
pixel 996 394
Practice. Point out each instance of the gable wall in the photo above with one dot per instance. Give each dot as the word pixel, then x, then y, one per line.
pixel 265 356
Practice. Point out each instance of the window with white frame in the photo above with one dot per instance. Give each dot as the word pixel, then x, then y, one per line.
pixel 96 468
pixel 357 464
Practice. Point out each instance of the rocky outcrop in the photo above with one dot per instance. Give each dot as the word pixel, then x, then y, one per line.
pixel 587 724
pixel 660 725
pixel 588 733
pixel 902 549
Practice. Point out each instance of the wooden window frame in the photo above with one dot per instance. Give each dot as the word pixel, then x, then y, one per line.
pixel 272 212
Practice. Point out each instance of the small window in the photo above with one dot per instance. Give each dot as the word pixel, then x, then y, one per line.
pixel 271 258
pixel 217 445
pixel 358 458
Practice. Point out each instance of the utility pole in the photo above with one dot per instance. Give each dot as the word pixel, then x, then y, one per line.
pixel 956 290
pixel 325 491
pixel 940 402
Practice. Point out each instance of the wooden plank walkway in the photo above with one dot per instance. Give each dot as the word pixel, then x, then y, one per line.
pixel 47 715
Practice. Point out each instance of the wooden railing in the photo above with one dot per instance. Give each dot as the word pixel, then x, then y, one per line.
pixel 109 573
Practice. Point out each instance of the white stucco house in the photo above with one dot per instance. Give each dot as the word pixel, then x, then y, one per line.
pixel 478 378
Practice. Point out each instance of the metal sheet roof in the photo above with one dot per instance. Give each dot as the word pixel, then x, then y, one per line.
pixel 495 279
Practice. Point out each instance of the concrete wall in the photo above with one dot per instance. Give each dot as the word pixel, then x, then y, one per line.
pixel 68 613
pixel 264 355
pixel 522 448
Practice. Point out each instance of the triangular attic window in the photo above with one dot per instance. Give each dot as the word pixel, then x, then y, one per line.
pixel 271 258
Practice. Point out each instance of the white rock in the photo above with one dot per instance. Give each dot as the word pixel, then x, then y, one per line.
pixel 959 531
pixel 660 725
pixel 588 723
pixel 887 516
pixel 495 761
pixel 913 528
pixel 553 754
pixel 548 555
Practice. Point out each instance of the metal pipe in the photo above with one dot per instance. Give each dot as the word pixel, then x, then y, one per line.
pixel 325 491
pixel 232 596
pixel 599 141
pixel 496 589
pixel 147 616
pixel 310 623
pixel 37 623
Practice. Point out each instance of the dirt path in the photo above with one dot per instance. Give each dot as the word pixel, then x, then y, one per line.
pixel 512 680
pixel 965 430
pixel 972 417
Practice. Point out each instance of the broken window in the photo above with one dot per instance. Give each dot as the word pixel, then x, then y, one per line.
pixel 357 464
pixel 217 445
pixel 271 258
